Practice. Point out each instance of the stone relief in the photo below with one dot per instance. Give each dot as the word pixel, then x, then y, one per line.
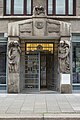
pixel 13 56
pixel 39 25
pixel 64 56
pixel 26 29
pixel 53 28
pixel 38 10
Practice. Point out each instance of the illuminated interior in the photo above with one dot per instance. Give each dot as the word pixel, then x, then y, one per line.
pixel 39 47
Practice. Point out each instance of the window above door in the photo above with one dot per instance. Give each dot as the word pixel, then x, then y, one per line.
pixel 61 7
pixel 18 7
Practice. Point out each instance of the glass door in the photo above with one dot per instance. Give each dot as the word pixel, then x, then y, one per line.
pixel 32 71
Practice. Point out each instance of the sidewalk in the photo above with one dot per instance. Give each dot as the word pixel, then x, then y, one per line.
pixel 39 104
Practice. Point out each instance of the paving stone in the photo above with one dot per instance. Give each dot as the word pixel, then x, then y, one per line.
pixel 76 108
pixel 40 111
pixel 13 111
pixel 67 110
pixel 26 111
pixel 26 108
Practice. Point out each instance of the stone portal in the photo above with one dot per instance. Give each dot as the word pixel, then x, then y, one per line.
pixel 39 29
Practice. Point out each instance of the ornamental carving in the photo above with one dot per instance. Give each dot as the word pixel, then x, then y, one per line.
pixel 53 28
pixel 13 56
pixel 38 10
pixel 26 29
pixel 64 56
pixel 39 25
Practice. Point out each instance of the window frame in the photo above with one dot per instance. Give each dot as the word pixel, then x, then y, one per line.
pixel 12 9
pixel 66 9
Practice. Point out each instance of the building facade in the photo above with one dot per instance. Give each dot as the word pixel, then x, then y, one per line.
pixel 39 46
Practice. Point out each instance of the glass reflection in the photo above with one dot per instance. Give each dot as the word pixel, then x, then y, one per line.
pixel 50 6
pixel 28 6
pixel 70 6
pixel 60 6
pixel 76 64
pixel 3 64
pixel 8 6
pixel 18 6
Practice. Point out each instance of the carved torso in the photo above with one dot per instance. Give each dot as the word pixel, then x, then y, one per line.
pixel 13 55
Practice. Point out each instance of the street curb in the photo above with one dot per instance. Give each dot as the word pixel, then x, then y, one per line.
pixel 40 117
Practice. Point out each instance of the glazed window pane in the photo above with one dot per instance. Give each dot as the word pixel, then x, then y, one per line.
pixel 28 6
pixel 18 6
pixel 50 6
pixel 70 6
pixel 60 6
pixel 8 6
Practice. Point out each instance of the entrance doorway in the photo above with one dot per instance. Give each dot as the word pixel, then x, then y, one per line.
pixel 39 67
pixel 46 71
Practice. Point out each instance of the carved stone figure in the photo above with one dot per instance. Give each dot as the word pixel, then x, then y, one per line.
pixel 38 10
pixel 64 56
pixel 13 55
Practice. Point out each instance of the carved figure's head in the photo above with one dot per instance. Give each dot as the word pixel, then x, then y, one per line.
pixel 62 43
pixel 39 10
pixel 16 43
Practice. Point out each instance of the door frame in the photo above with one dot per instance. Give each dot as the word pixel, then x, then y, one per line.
pixel 39 54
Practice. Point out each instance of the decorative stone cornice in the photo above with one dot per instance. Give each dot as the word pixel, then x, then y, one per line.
pixel 49 17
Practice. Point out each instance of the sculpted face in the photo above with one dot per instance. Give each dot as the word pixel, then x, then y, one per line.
pixel 62 43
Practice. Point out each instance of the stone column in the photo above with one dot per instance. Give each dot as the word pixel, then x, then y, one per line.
pixel 13 65
pixel 65 59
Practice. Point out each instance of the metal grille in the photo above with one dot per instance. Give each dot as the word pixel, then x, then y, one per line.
pixel 32 71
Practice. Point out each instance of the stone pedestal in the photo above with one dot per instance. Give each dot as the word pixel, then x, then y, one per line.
pixel 13 83
pixel 66 88
pixel 65 85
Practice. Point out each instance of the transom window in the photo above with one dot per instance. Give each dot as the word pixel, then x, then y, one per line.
pixel 61 7
pixel 18 7
pixel 39 47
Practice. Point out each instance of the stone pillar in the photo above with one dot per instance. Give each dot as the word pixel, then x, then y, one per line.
pixel 64 65
pixel 65 59
pixel 1 8
pixel 13 65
